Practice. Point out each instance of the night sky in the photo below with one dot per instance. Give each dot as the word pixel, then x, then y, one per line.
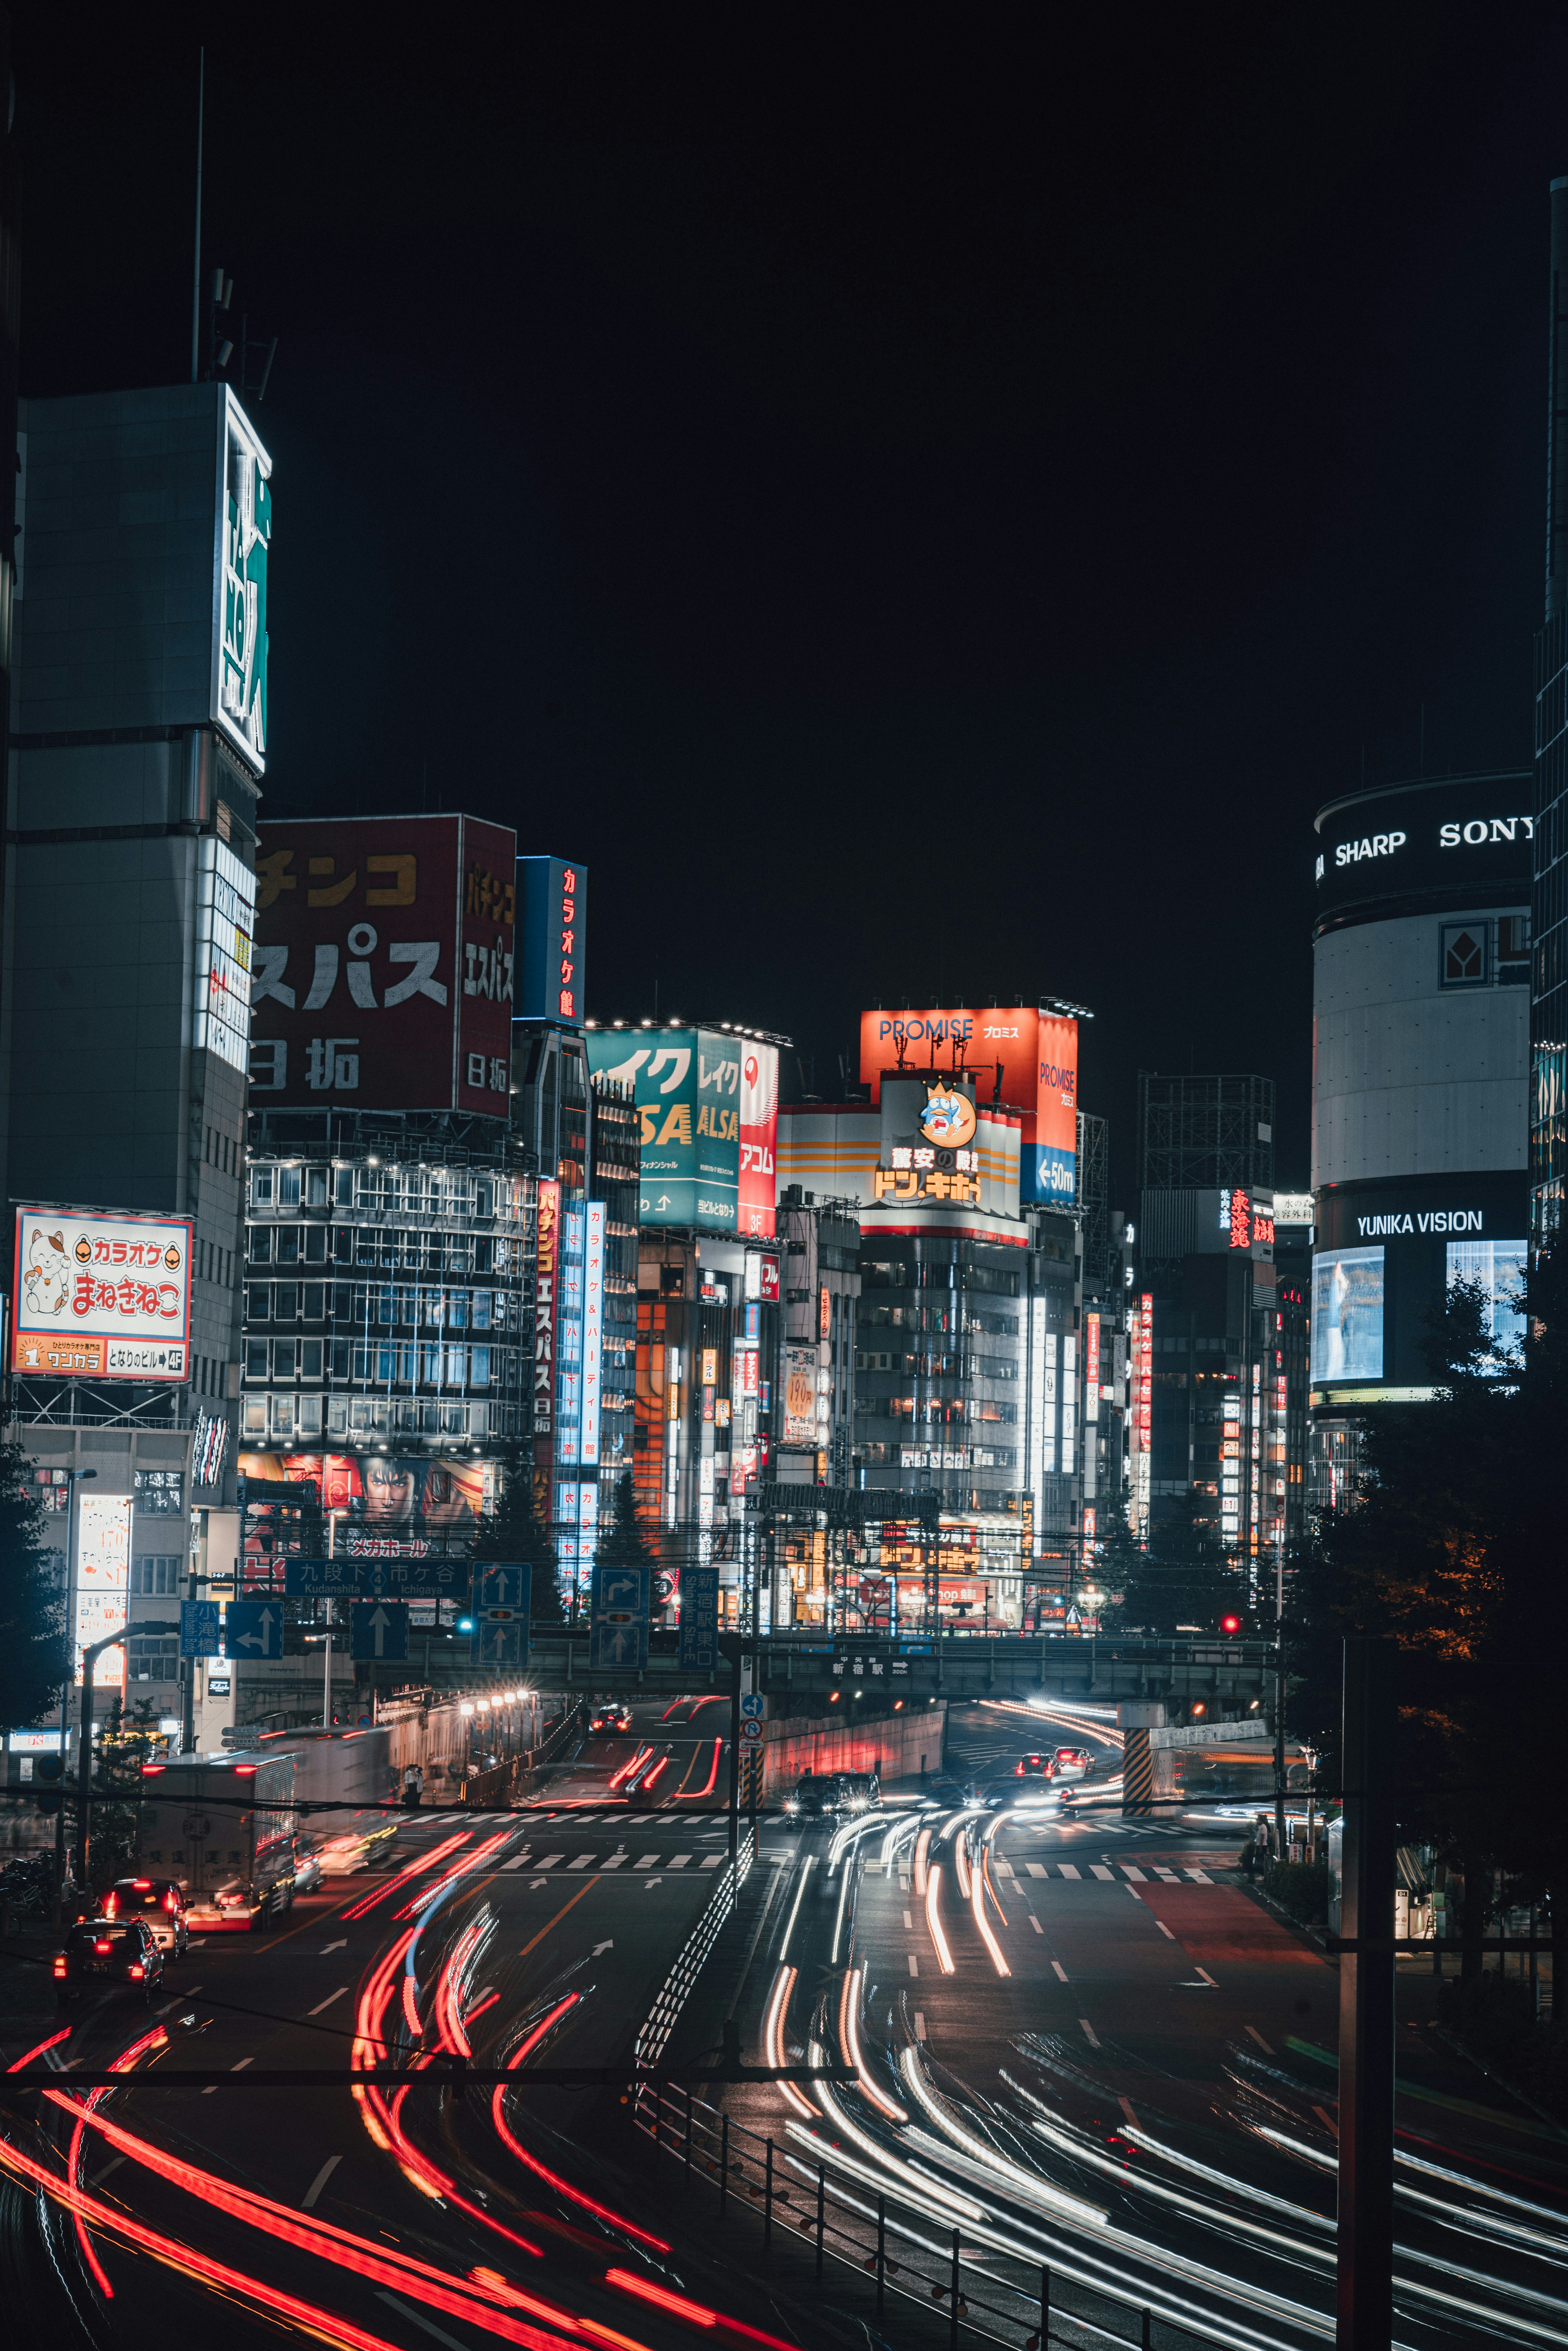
pixel 926 505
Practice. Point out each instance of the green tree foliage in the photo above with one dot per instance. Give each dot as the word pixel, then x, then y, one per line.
pixel 127 1741
pixel 33 1649
pixel 1184 1578
pixel 514 1530
pixel 625 1545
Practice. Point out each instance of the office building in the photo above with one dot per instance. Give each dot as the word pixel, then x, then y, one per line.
pixel 1548 847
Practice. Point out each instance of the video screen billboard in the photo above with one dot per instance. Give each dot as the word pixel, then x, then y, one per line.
pixel 383 964
pixel 1347 1314
pixel 104 1297
pixel 758 1182
pixel 389 1503
pixel 1036 1052
pixel 688 1091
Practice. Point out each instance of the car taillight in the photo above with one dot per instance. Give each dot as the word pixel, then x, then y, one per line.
pixel 169 1903
pixel 143 1885
pixel 137 1968
pixel 59 1963
pixel 109 1906
pixel 102 1947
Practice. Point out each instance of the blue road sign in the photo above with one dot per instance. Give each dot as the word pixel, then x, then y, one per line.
pixel 378 1628
pixel 499 1641
pixel 751 1705
pixel 199 1635
pixel 501 1584
pixel 699 1619
pixel 253 1628
pixel 619 1631
pixel 333 1579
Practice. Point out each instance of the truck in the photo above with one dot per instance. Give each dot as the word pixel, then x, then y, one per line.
pixel 346 1788
pixel 224 1827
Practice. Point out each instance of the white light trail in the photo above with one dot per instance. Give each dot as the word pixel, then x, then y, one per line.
pixel 934 1920
pixel 795 1906
pixel 849 2041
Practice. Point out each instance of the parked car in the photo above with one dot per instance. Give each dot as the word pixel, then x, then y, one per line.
pixel 158 1903
pixel 108 1952
pixel 1073 1763
pixel 307 1864
pixel 613 1715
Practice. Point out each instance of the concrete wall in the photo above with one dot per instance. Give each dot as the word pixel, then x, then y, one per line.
pixel 897 1746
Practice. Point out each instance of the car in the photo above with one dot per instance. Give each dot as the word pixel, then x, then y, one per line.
pixel 159 1902
pixel 816 1796
pixel 862 1791
pixel 1035 1767
pixel 1073 1763
pixel 307 1864
pixel 108 1952
pixel 614 1714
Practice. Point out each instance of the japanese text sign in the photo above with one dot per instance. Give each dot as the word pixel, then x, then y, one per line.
pixel 102 1297
pixel 553 951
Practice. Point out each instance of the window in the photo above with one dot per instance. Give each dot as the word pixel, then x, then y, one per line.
pixel 286 1303
pixel 259 1301
pixel 284 1356
pixel 152 1657
pixel 1464 961
pixel 310 1415
pixel 287 1191
pixel 256 1359
pixel 311 1359
pixel 316 1187
pixel 156 1577
pixel 261 1244
pixel 256 1416
pixel 1513 950
pixel 286 1248
pixel 261 1187
pixel 282 1416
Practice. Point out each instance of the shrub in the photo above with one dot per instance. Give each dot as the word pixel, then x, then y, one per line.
pixel 1300 1889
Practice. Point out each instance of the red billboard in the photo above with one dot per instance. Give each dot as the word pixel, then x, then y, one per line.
pixel 384 950
pixel 759 1183
pixel 1035 1054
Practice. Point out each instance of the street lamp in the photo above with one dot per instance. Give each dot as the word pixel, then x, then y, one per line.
pixel 72 1478
pixel 89 1657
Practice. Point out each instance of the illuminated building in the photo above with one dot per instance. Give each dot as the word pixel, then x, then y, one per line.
pixel 1549 890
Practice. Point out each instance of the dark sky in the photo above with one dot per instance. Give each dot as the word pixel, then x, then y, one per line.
pixel 926 503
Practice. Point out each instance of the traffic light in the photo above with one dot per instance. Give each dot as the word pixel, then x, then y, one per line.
pixel 1231 1624
pixel 48 1798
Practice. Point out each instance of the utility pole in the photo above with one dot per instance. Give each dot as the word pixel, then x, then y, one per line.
pixel 1365 2259
pixel 73 1479
pixel 1280 1709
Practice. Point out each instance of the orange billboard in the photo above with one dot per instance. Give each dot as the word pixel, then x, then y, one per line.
pixel 1035 1053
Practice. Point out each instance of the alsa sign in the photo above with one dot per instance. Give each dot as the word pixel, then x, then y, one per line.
pixel 384 950
pixel 102 1297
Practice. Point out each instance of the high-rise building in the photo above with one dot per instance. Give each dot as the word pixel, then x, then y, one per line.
pixel 138 747
pixel 1549 882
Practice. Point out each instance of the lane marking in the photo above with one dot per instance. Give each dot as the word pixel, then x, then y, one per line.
pixel 113 2165
pixel 1136 1875
pixel 909 1922
pixel 1165 1930
pixel 1169 1877
pixel 535 1883
pixel 1100 1870
pixel 651 1881
pixel 646 1861
pixel 1061 1970
pixel 1205 1974
pixel 1200 1878
pixel 1258 2037
pixel 317 2185
pixel 1326 2119
pixel 1034 1922
pixel 679 1860
pixel 710 1861
pixel 1089 2034
pixel 1128 2110
pixel 549 1860
pixel 1068 1870
pixel 331 1996
pixel 407 2310
pixel 913 1965
pixel 919 2026
pixel 519 1860
pixel 580 1862
pixel 615 1861
pixel 212 2086
pixel 1037 1869
pixel 586 1887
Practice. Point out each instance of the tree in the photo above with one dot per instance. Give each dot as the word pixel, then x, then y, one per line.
pixel 514 1530
pixel 625 1545
pixel 34 1652
pixel 127 1741
pixel 1183 1578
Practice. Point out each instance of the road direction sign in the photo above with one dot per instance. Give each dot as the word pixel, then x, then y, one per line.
pixel 699 1619
pixel 254 1628
pixel 378 1628
pixel 618 1632
pixel 331 1579
pixel 499 1641
pixel 751 1729
pixel 500 1584
pixel 751 1703
pixel 199 1628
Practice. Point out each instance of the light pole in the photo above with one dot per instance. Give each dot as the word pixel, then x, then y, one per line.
pixel 73 1477
pixel 89 1657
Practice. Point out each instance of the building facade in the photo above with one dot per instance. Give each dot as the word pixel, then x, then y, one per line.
pixel 1549 881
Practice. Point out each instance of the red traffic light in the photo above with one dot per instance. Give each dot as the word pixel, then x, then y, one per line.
pixel 1231 1623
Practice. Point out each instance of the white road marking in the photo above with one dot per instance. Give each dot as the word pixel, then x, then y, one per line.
pixel 652 1881
pixel 1004 1868
pixel 615 1860
pixel 1037 1869
pixel 1100 1870
pixel 909 1919
pixel 407 2310
pixel 533 1885
pixel 1034 1922
pixel 1169 1876
pixel 1089 2034
pixel 518 1861
pixel 1326 2119
pixel 1258 2037
pixel 328 1948
pixel 1165 1930
pixel 1068 1870
pixel 646 1861
pixel 317 2185
pixel 233 2069
pixel 1205 1974
pixel 113 2165
pixel 710 1861
pixel 1061 1970
pixel 549 1860
pixel 919 2026
pixel 1136 1875
pixel 1128 2110
pixel 1200 1877
pixel 580 1862
pixel 331 1996
pixel 913 1965
pixel 679 1860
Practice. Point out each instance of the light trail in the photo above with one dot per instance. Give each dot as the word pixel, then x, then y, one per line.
pixel 933 1918
pixel 849 2041
pixel 773 2035
pixel 839 1916
pixel 368 1902
pixel 531 2162
pixel 795 1906
pixel 639 1756
pixel 428 1899
pixel 980 1888
pixel 922 1847
pixel 682 1795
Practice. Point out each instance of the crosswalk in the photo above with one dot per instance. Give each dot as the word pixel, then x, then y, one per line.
pixel 1107 1872
pixel 567 1862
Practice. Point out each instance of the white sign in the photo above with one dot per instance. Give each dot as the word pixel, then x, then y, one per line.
pixel 34 1742
pixel 1292 1208
pixel 102 1297
pixel 244 536
pixel 225 927
pixel 103 1579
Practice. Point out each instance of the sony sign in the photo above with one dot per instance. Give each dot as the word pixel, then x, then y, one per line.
pixel 1418 827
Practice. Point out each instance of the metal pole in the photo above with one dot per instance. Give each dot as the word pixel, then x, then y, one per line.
pixel 197 274
pixel 734 1759
pixel 821 2215
pixel 768 2202
pixel 880 2252
pixel 724 2167
pixel 688 2153
pixel 1365 2287
pixel 327 1676
pixel 72 1477
pixel 953 2314
pixel 1280 1725
pixel 84 1763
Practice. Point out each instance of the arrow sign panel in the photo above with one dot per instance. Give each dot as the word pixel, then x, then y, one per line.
pixel 199 1628
pixel 699 1619
pixel 253 1628
pixel 499 1641
pixel 501 1584
pixel 378 1628
pixel 619 1631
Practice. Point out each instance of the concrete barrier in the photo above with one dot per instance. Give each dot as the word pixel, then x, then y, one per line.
pixel 896 1746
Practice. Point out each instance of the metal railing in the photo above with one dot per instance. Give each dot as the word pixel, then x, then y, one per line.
pixel 833 2215
pixel 676 1990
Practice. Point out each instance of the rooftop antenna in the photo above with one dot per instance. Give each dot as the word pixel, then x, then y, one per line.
pixel 196 272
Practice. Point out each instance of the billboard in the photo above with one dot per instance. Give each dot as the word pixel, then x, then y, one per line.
pixel 103 1579
pixel 758 1193
pixel 103 1296
pixel 687 1083
pixel 799 1395
pixel 387 1502
pixel 382 965
pixel 244 543
pixel 1019 1054
pixel 1347 1314
pixel 552 944
pixel 547 1281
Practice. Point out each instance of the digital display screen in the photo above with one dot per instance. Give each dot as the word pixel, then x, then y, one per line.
pixel 1347 1314
pixel 1497 1269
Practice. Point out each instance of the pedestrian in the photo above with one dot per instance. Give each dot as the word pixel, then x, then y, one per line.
pixel 412 1787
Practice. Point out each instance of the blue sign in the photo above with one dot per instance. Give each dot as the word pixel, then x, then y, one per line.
pixel 499 1641
pixel 333 1579
pixel 751 1705
pixel 552 941
pixel 253 1628
pixel 501 1584
pixel 199 1628
pixel 378 1628
pixel 699 1619
pixel 618 1635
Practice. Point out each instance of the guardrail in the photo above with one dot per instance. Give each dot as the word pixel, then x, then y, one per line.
pixel 675 1991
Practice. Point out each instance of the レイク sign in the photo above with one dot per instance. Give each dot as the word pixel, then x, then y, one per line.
pixel 102 1297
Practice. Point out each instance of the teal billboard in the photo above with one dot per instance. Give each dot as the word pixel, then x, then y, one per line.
pixel 687 1083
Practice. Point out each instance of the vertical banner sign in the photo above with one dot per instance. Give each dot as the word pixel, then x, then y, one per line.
pixel 699 1620
pixel 618 1627
pixel 759 1140
pixel 1055 1107
pixel 1144 1386
pixel 554 949
pixel 103 1579
pixel 546 1267
pixel 592 1329
pixel 383 964
pixel 568 1338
